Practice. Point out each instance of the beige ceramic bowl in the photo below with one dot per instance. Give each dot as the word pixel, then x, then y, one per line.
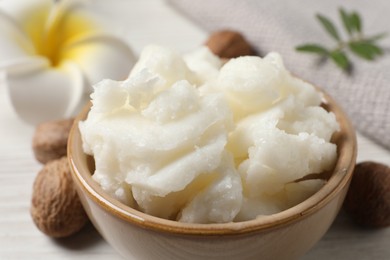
pixel 286 235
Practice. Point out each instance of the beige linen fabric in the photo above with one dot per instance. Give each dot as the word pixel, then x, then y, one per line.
pixel 280 25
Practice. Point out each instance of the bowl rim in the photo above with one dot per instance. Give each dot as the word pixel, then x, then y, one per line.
pixel 342 174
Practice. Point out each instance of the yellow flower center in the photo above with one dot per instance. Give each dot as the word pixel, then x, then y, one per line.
pixel 53 31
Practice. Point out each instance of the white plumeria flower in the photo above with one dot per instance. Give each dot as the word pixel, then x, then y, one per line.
pixel 52 52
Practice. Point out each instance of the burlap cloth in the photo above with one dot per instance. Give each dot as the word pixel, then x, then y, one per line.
pixel 277 25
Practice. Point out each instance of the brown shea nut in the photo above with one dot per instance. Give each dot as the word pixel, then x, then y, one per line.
pixel 368 198
pixel 50 140
pixel 56 208
pixel 229 44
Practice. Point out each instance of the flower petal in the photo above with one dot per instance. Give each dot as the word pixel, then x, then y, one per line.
pixel 101 56
pixel 51 24
pixel 14 44
pixel 72 19
pixel 40 93
pixel 67 22
pixel 30 15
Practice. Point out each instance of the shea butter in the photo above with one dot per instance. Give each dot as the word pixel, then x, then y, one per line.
pixel 190 139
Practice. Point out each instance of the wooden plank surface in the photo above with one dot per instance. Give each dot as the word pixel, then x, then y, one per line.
pixel 146 22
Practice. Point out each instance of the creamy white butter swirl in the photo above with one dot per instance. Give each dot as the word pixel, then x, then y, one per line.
pixel 192 140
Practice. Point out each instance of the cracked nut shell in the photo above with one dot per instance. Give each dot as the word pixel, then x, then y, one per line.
pixel 368 198
pixel 50 140
pixel 56 208
pixel 229 44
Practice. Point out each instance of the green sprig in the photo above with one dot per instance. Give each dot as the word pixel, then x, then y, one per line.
pixel 357 43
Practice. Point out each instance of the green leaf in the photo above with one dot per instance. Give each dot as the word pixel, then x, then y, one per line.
pixel 377 37
pixel 340 59
pixel 366 50
pixel 328 26
pixel 357 43
pixel 347 21
pixel 356 21
pixel 313 48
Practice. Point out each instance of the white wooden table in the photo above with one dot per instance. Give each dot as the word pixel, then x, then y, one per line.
pixel 145 22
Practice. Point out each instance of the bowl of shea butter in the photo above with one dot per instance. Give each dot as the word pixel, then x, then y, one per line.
pixel 192 158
